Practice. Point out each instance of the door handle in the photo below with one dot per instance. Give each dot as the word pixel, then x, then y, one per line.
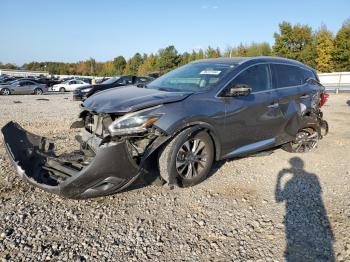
pixel 273 105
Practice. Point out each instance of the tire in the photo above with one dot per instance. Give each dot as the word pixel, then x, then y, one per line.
pixel 62 89
pixel 189 169
pixel 305 140
pixel 38 91
pixel 5 92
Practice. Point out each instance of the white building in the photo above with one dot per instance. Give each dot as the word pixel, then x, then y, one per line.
pixel 23 73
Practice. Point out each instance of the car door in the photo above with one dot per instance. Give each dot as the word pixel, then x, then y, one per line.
pixel 253 121
pixel 71 85
pixel 294 96
pixel 29 87
pixel 21 87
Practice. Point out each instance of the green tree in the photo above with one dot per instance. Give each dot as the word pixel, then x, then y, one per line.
pixel 119 65
pixel 258 49
pixel 185 58
pixel 200 54
pixel 341 53
pixel 8 66
pixel 324 48
pixel 133 64
pixel 168 59
pixel 295 42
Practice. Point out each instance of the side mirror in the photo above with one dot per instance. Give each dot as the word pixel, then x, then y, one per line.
pixel 239 90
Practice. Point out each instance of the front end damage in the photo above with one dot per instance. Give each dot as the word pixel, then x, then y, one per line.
pixel 104 165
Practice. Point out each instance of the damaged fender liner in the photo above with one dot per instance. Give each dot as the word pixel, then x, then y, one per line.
pixel 110 171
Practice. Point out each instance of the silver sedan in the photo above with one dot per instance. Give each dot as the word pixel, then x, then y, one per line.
pixel 23 87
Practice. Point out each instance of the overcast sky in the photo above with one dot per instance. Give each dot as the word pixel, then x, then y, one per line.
pixel 73 30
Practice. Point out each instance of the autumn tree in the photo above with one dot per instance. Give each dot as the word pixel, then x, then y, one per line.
pixel 149 65
pixel 324 48
pixel 107 69
pixel 212 53
pixel 341 53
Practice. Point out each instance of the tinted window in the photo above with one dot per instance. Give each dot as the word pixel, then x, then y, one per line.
pixel 24 83
pixel 287 75
pixel 256 77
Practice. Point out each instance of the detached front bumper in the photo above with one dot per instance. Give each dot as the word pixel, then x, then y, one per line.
pixel 111 170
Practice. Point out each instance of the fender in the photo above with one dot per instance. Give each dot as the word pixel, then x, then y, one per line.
pixel 200 125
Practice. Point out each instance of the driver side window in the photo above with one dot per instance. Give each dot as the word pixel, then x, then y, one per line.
pixel 24 83
pixel 256 77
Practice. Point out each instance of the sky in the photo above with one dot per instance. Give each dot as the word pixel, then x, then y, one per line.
pixel 75 30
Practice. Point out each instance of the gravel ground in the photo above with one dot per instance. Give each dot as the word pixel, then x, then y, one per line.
pixel 275 207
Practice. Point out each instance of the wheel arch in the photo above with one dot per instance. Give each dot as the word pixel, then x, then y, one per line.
pixel 200 125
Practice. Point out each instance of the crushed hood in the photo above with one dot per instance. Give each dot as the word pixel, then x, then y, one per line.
pixel 129 99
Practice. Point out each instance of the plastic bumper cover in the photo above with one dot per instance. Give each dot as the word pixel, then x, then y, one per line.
pixel 110 171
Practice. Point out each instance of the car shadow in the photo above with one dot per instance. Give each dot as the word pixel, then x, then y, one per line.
pixel 309 234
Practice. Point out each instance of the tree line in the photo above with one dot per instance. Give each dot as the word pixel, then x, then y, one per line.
pixel 319 49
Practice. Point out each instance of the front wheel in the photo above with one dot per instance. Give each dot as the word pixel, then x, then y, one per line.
pixel 62 89
pixel 188 158
pixel 5 91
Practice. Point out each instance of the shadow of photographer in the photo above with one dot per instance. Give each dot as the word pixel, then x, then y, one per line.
pixel 308 231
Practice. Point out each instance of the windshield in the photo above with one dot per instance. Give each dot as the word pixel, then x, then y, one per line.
pixel 192 77
pixel 111 80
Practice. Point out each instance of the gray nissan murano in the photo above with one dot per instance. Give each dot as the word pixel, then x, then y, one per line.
pixel 202 112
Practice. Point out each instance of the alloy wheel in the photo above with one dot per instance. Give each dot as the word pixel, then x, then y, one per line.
pixel 5 92
pixel 305 141
pixel 191 158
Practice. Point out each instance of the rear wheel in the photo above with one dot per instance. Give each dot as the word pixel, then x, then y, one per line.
pixel 5 91
pixel 38 91
pixel 62 89
pixel 305 140
pixel 188 158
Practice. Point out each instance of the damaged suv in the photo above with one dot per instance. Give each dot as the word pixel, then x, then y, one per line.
pixel 202 112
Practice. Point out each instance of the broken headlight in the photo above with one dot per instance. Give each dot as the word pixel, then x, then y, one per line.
pixel 134 123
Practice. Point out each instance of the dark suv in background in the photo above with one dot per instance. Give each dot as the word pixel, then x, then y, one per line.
pixel 80 94
pixel 181 122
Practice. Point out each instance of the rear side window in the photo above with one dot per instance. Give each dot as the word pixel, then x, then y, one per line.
pixel 256 77
pixel 287 75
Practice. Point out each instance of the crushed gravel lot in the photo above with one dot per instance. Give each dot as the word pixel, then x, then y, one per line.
pixel 275 207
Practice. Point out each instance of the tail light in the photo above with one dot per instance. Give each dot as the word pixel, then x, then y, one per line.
pixel 324 98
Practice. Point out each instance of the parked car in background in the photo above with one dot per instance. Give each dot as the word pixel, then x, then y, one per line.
pixel 69 85
pixel 80 94
pixel 7 80
pixel 85 79
pixel 48 81
pixel 182 122
pixel 23 87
